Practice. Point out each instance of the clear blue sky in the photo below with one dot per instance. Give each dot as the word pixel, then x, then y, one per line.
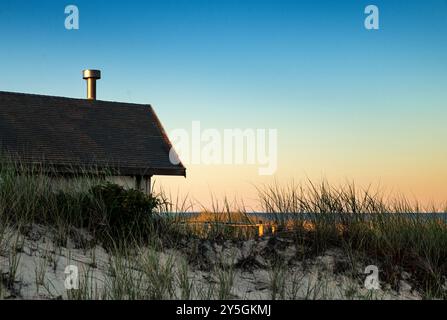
pixel 308 68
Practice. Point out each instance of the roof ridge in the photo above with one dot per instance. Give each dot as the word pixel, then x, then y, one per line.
pixel 69 98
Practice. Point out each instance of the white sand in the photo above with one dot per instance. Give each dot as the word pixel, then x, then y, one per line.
pixel 37 257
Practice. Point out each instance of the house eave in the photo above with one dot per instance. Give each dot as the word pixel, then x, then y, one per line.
pixel 69 169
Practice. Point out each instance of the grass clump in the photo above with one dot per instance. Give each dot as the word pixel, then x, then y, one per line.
pixel 395 235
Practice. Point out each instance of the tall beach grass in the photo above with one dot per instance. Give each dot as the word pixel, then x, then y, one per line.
pixel 391 232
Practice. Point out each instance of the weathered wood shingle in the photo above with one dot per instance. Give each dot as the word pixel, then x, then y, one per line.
pixel 75 133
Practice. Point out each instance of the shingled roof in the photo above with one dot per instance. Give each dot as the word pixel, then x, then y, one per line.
pixel 73 134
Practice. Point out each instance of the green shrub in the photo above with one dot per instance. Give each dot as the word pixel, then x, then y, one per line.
pixel 124 213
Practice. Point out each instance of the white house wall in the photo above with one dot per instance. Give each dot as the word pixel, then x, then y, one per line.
pixel 126 182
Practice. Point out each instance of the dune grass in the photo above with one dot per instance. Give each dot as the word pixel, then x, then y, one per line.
pixel 365 224
pixel 393 233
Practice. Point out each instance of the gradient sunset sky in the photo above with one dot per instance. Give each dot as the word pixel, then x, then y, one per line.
pixel 348 103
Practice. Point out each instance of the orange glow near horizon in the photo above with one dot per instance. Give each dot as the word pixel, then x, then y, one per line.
pixel 399 156
pixel 209 186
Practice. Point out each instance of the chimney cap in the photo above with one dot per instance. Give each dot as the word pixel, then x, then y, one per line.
pixel 91 74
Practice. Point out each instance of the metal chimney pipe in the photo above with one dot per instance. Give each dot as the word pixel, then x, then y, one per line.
pixel 91 76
